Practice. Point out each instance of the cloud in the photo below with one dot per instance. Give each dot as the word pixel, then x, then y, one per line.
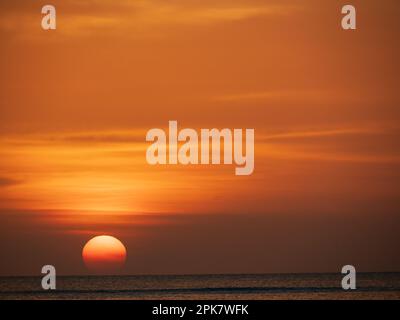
pixel 89 137
pixel 85 17
pixel 134 136
pixel 319 133
pixel 6 182
pixel 363 144
pixel 277 96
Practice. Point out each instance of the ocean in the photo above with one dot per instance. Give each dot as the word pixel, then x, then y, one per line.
pixel 197 287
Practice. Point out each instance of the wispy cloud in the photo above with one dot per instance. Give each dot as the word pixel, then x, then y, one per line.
pixel 320 133
pixel 277 96
pixel 85 17
pixel 362 144
pixel 5 182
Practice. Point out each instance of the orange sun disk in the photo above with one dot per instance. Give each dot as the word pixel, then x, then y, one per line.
pixel 104 255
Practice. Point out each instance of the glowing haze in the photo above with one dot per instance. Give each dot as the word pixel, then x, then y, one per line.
pixel 76 103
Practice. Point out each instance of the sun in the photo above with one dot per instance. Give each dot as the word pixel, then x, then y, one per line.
pixel 104 255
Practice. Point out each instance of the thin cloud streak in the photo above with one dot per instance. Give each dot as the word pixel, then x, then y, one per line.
pixel 85 18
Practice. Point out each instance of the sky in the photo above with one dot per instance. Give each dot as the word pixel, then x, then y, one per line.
pixel 76 103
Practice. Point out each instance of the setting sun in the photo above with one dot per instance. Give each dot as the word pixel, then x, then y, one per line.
pixel 104 254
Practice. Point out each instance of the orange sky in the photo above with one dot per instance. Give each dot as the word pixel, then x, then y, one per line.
pixel 76 103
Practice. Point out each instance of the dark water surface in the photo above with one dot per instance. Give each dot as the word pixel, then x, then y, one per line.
pixel 246 286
